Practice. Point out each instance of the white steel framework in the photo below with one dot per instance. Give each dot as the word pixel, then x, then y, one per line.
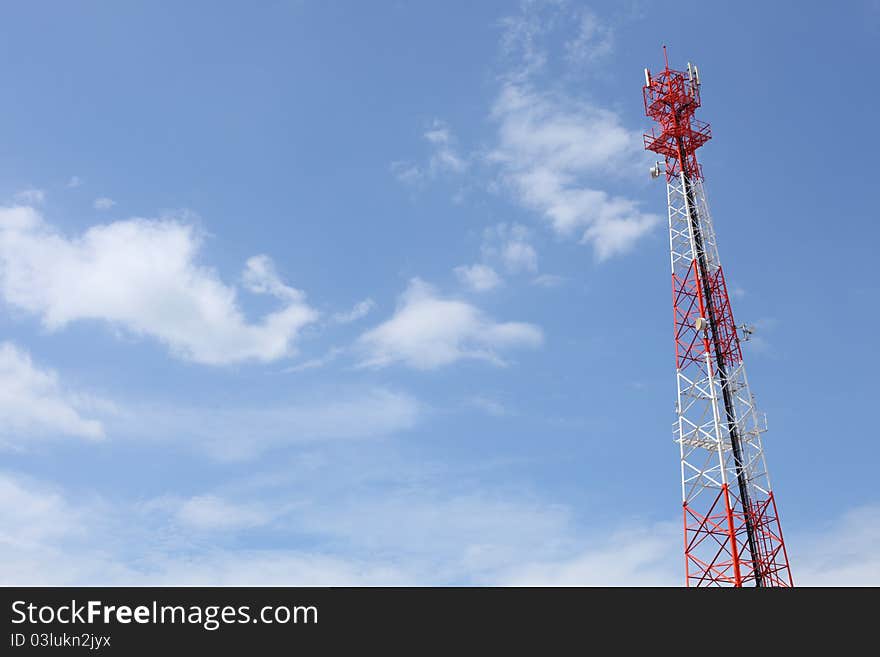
pixel 732 533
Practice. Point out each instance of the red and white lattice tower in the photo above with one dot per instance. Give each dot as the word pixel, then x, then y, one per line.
pixel 732 534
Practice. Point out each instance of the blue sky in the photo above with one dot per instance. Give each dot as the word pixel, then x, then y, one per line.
pixel 323 293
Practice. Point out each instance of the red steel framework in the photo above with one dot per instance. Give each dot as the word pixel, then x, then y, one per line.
pixel 732 533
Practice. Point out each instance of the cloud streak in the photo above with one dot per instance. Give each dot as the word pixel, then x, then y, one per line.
pixel 243 433
pixel 30 196
pixel 360 310
pixel 103 203
pixel 34 404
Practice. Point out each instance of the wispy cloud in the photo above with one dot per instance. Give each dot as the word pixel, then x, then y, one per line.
pixel 45 539
pixel 34 404
pixel 549 147
pixel 74 182
pixel 444 157
pixel 479 278
pixel 554 151
pixel 211 512
pixel 510 244
pixel 626 558
pixel 528 37
pixel 400 537
pixel 360 310
pixel 408 173
pixel 239 433
pixel 506 246
pixel 428 331
pixel 144 275
pixel 843 553
pixel 593 41
pixel 30 196
pixel 489 405
pixel 523 34
pixel 261 277
pixel 548 280
pixel 103 203
pixel 315 363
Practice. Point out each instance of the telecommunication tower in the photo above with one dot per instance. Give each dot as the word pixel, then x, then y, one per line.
pixel 732 533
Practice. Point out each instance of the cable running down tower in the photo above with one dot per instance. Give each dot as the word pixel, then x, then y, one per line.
pixel 732 533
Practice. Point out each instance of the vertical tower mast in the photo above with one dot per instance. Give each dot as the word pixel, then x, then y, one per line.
pixel 732 534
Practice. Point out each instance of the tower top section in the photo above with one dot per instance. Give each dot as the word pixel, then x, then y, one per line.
pixel 671 99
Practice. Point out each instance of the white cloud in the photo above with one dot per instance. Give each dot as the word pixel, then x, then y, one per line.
pixel 510 244
pixel 504 245
pixel 210 512
pixel 479 278
pixel 34 403
pixel 30 196
pixel 74 182
pixel 844 553
pixel 411 537
pixel 594 40
pixel 522 35
pixel 627 558
pixel 840 554
pixel 104 203
pixel 531 37
pixel 315 363
pixel 488 405
pixel 272 567
pixel 548 280
pixel 428 331
pixel 445 537
pixel 549 146
pixel 520 256
pixel 445 156
pixel 28 518
pixel 361 309
pixel 143 275
pixel 555 153
pixel 260 277
pixel 407 172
